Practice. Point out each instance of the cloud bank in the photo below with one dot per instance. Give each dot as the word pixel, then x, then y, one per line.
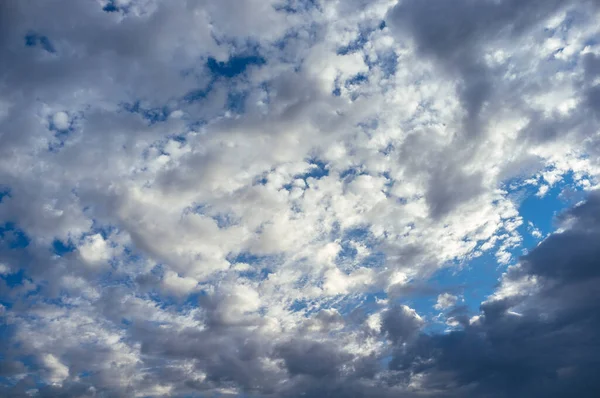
pixel 299 198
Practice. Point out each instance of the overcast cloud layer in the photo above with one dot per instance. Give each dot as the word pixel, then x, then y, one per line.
pixel 254 198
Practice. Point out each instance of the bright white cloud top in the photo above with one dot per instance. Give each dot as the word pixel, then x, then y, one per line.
pixel 299 198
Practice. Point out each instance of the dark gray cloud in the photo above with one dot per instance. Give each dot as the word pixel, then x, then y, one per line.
pixel 312 358
pixel 539 345
pixel 400 324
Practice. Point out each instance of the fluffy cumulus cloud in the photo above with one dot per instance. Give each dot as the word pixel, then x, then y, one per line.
pixel 299 198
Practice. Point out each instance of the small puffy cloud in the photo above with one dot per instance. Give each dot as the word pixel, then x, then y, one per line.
pixel 178 285
pixel 542 191
pixel 400 323
pixel 337 282
pixel 4 269
pixel 534 231
pixel 445 301
pixel 60 120
pixel 94 250
pixel 234 304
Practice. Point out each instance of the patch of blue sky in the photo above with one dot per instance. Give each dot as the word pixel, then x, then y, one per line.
pixel 180 138
pixel 61 248
pixel 349 174
pixel 386 61
pixel 358 305
pixel 367 303
pixel 344 304
pixel 350 241
pixel 59 143
pixel 111 278
pixel 151 115
pixel 4 193
pixel 260 266
pixel 192 300
pixel 369 125
pixel 34 39
pixel 170 302
pixel 318 170
pixel 359 42
pixel 351 86
pixel 14 237
pixel 223 220
pixel 300 305
pixel 256 273
pixel 197 94
pixel 296 6
pixel 236 101
pixel 261 180
pixel 11 281
pixel 355 45
pixel 542 211
pixel 357 79
pixel 234 66
pixel 62 301
pixel 15 278
pixel 245 257
pixel 472 284
pixel 112 6
pixel 85 374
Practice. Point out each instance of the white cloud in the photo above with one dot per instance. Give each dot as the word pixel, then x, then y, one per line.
pixel 178 285
pixel 542 191
pixel 57 371
pixel 61 120
pixel 286 196
pixel 4 269
pixel 94 250
pixel 445 301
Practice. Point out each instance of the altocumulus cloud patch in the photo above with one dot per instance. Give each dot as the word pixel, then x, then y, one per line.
pixel 250 198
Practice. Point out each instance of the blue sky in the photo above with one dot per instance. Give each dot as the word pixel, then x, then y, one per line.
pixel 250 198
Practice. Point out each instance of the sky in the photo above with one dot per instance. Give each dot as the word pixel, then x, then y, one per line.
pixel 300 198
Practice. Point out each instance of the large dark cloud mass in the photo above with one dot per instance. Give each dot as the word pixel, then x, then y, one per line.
pixel 543 343
pixel 300 198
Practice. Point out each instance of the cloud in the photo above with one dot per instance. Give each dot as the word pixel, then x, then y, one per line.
pixel 445 301
pixel 456 35
pixel 58 372
pixel 94 249
pixel 400 323
pixel 527 343
pixel 271 198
